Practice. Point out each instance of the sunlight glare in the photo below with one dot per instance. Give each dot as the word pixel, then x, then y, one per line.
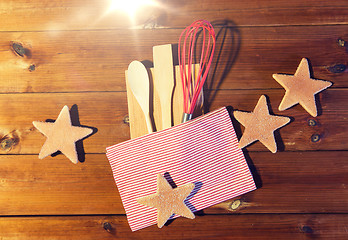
pixel 130 6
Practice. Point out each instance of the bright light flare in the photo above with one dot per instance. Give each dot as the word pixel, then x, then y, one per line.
pixel 130 6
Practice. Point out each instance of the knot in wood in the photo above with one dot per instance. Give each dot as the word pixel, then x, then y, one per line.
pixel 312 122
pixel 126 120
pixel 315 137
pixel 107 226
pixel 19 49
pixel 7 143
pixel 338 68
pixel 32 68
pixel 307 229
pixel 341 42
pixel 235 204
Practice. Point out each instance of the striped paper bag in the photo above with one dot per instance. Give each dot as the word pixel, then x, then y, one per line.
pixel 203 151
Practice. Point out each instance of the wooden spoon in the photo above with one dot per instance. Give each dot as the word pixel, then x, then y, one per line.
pixel 164 81
pixel 139 84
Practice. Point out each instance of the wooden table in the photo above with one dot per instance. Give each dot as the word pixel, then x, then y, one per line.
pixel 73 52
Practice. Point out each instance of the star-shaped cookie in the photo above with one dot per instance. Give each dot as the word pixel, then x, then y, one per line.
pixel 301 88
pixel 61 136
pixel 168 200
pixel 260 125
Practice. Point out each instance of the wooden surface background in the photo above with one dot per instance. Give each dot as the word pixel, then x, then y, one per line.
pixel 74 52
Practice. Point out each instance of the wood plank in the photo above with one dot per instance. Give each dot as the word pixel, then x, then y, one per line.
pixel 106 112
pixel 77 14
pixel 246 58
pixel 53 186
pixel 298 226
pixel 330 125
pixel 294 182
pixel 289 182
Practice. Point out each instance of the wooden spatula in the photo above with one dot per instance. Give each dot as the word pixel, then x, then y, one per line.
pixel 139 83
pixel 164 81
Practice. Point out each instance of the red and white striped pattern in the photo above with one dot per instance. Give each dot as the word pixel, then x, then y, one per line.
pixel 203 151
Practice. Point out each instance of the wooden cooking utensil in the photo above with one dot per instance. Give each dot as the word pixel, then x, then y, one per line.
pixel 139 83
pixel 164 81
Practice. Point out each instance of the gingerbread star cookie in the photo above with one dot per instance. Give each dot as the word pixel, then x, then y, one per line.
pixel 168 200
pixel 61 136
pixel 260 125
pixel 301 88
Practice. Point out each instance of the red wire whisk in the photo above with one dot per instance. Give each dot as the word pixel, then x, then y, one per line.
pixel 200 34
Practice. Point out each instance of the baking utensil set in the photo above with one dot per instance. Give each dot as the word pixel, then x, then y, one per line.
pixel 167 95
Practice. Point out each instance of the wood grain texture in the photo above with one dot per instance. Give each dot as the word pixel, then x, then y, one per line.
pixel 164 82
pixel 55 186
pixel 296 136
pixel 105 112
pixel 289 182
pixel 74 52
pixel 95 14
pixel 245 58
pixel 285 226
pixel 304 182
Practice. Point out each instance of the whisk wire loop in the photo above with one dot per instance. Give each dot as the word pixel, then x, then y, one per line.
pixel 192 85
